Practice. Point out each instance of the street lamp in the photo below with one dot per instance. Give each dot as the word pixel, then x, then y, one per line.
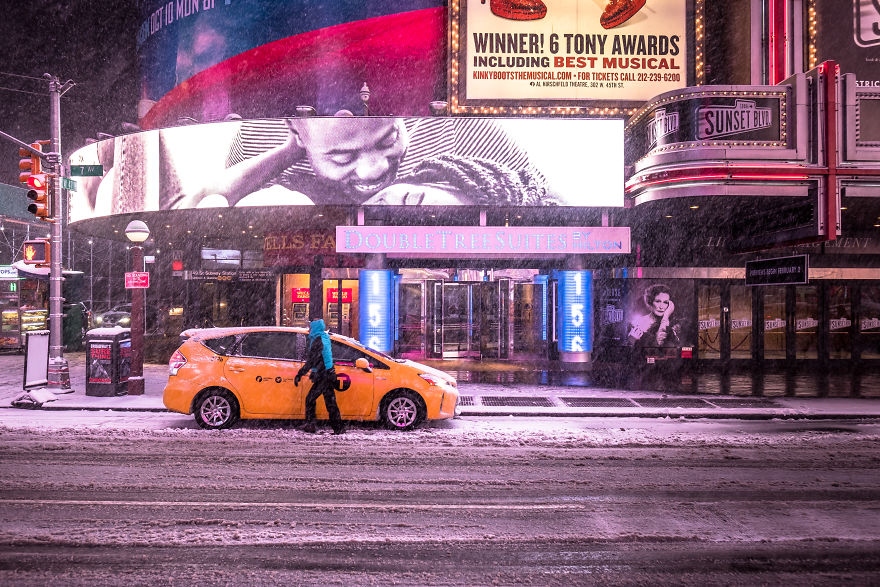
pixel 137 232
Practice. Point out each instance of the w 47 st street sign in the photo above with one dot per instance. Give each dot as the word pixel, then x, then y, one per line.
pixel 137 280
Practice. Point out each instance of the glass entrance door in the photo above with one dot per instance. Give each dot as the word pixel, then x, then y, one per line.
pixel 454 317
pixel 725 322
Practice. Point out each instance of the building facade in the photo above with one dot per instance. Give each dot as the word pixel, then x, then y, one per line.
pixel 690 187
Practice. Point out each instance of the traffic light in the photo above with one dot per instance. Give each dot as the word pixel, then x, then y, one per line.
pixel 36 252
pixel 41 189
pixel 29 164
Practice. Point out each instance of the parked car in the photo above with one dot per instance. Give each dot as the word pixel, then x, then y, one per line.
pixel 222 374
pixel 118 316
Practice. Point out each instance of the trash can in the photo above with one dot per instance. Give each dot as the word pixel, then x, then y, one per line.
pixel 108 361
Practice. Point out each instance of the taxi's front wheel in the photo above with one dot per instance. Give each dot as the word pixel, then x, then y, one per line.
pixel 402 410
pixel 216 409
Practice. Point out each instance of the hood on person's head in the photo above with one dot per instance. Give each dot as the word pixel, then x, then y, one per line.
pixel 317 327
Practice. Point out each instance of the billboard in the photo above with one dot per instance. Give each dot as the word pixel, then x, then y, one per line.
pixel 848 32
pixel 544 54
pixel 355 161
pixel 207 59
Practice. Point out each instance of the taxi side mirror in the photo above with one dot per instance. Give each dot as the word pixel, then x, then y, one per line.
pixel 362 363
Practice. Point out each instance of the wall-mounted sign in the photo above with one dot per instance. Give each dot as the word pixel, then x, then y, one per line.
pixel 779 271
pixel 482 241
pixel 376 309
pixel 546 53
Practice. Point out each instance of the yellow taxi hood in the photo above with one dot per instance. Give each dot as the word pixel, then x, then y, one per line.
pixel 431 370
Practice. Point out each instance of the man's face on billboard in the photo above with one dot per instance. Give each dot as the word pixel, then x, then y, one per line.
pixel 355 157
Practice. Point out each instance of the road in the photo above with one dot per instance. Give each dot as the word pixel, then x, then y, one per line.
pixel 103 498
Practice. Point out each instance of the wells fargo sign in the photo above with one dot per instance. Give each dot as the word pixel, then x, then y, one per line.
pixel 304 247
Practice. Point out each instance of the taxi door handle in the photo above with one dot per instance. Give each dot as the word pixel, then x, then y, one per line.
pixel 236 369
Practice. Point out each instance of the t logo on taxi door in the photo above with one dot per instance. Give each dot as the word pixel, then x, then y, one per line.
pixel 343 382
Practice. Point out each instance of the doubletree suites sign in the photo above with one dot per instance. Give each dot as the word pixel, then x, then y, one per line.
pixel 780 271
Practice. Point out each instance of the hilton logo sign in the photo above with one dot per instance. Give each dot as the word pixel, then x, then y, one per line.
pixel 721 120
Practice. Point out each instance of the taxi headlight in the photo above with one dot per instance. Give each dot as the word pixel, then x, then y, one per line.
pixel 435 380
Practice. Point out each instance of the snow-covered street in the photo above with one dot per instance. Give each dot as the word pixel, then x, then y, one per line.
pixel 107 498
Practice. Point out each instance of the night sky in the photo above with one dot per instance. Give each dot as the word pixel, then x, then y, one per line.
pixel 92 44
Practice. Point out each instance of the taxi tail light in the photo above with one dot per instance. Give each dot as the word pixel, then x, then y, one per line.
pixel 176 361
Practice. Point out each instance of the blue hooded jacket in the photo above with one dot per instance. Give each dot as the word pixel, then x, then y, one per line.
pixel 318 330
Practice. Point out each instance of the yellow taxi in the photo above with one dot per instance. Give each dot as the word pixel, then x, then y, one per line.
pixel 222 374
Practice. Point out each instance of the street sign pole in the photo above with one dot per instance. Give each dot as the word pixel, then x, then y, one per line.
pixel 59 371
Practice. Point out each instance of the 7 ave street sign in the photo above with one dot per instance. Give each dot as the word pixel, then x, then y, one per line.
pixel 87 170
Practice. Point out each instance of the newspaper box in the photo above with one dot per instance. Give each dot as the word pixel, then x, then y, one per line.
pixel 108 361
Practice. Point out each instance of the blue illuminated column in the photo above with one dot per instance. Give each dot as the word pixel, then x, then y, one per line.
pixel 377 309
pixel 575 315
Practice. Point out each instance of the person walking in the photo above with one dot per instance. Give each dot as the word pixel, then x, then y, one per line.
pixel 319 366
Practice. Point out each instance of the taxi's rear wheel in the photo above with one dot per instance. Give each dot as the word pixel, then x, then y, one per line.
pixel 216 409
pixel 402 410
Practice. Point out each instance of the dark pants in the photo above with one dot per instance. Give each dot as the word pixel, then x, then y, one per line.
pixel 324 386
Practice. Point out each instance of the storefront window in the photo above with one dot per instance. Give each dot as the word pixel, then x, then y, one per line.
pixel 295 300
pixel 807 322
pixel 340 306
pixel 709 308
pixel 774 323
pixel 869 323
pixel 740 322
pixel 839 322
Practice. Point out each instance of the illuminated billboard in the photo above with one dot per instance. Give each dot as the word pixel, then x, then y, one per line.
pixel 356 161
pixel 523 55
pixel 575 311
pixel 207 59
pixel 376 309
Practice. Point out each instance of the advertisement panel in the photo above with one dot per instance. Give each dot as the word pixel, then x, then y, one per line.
pixel 528 50
pixel 356 161
pixel 848 32
pixel 376 309
pixel 575 311
pixel 207 59
pixel 650 317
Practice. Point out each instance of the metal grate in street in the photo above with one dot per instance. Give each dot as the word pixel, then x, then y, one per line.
pixel 672 403
pixel 734 402
pixel 597 402
pixel 538 402
pixel 466 400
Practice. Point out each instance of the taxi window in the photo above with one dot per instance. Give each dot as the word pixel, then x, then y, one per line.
pixel 347 355
pixel 221 344
pixel 273 345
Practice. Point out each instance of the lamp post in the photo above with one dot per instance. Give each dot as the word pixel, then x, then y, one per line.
pixel 91 278
pixel 137 232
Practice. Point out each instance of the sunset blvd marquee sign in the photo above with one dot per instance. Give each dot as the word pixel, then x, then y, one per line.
pixel 481 241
